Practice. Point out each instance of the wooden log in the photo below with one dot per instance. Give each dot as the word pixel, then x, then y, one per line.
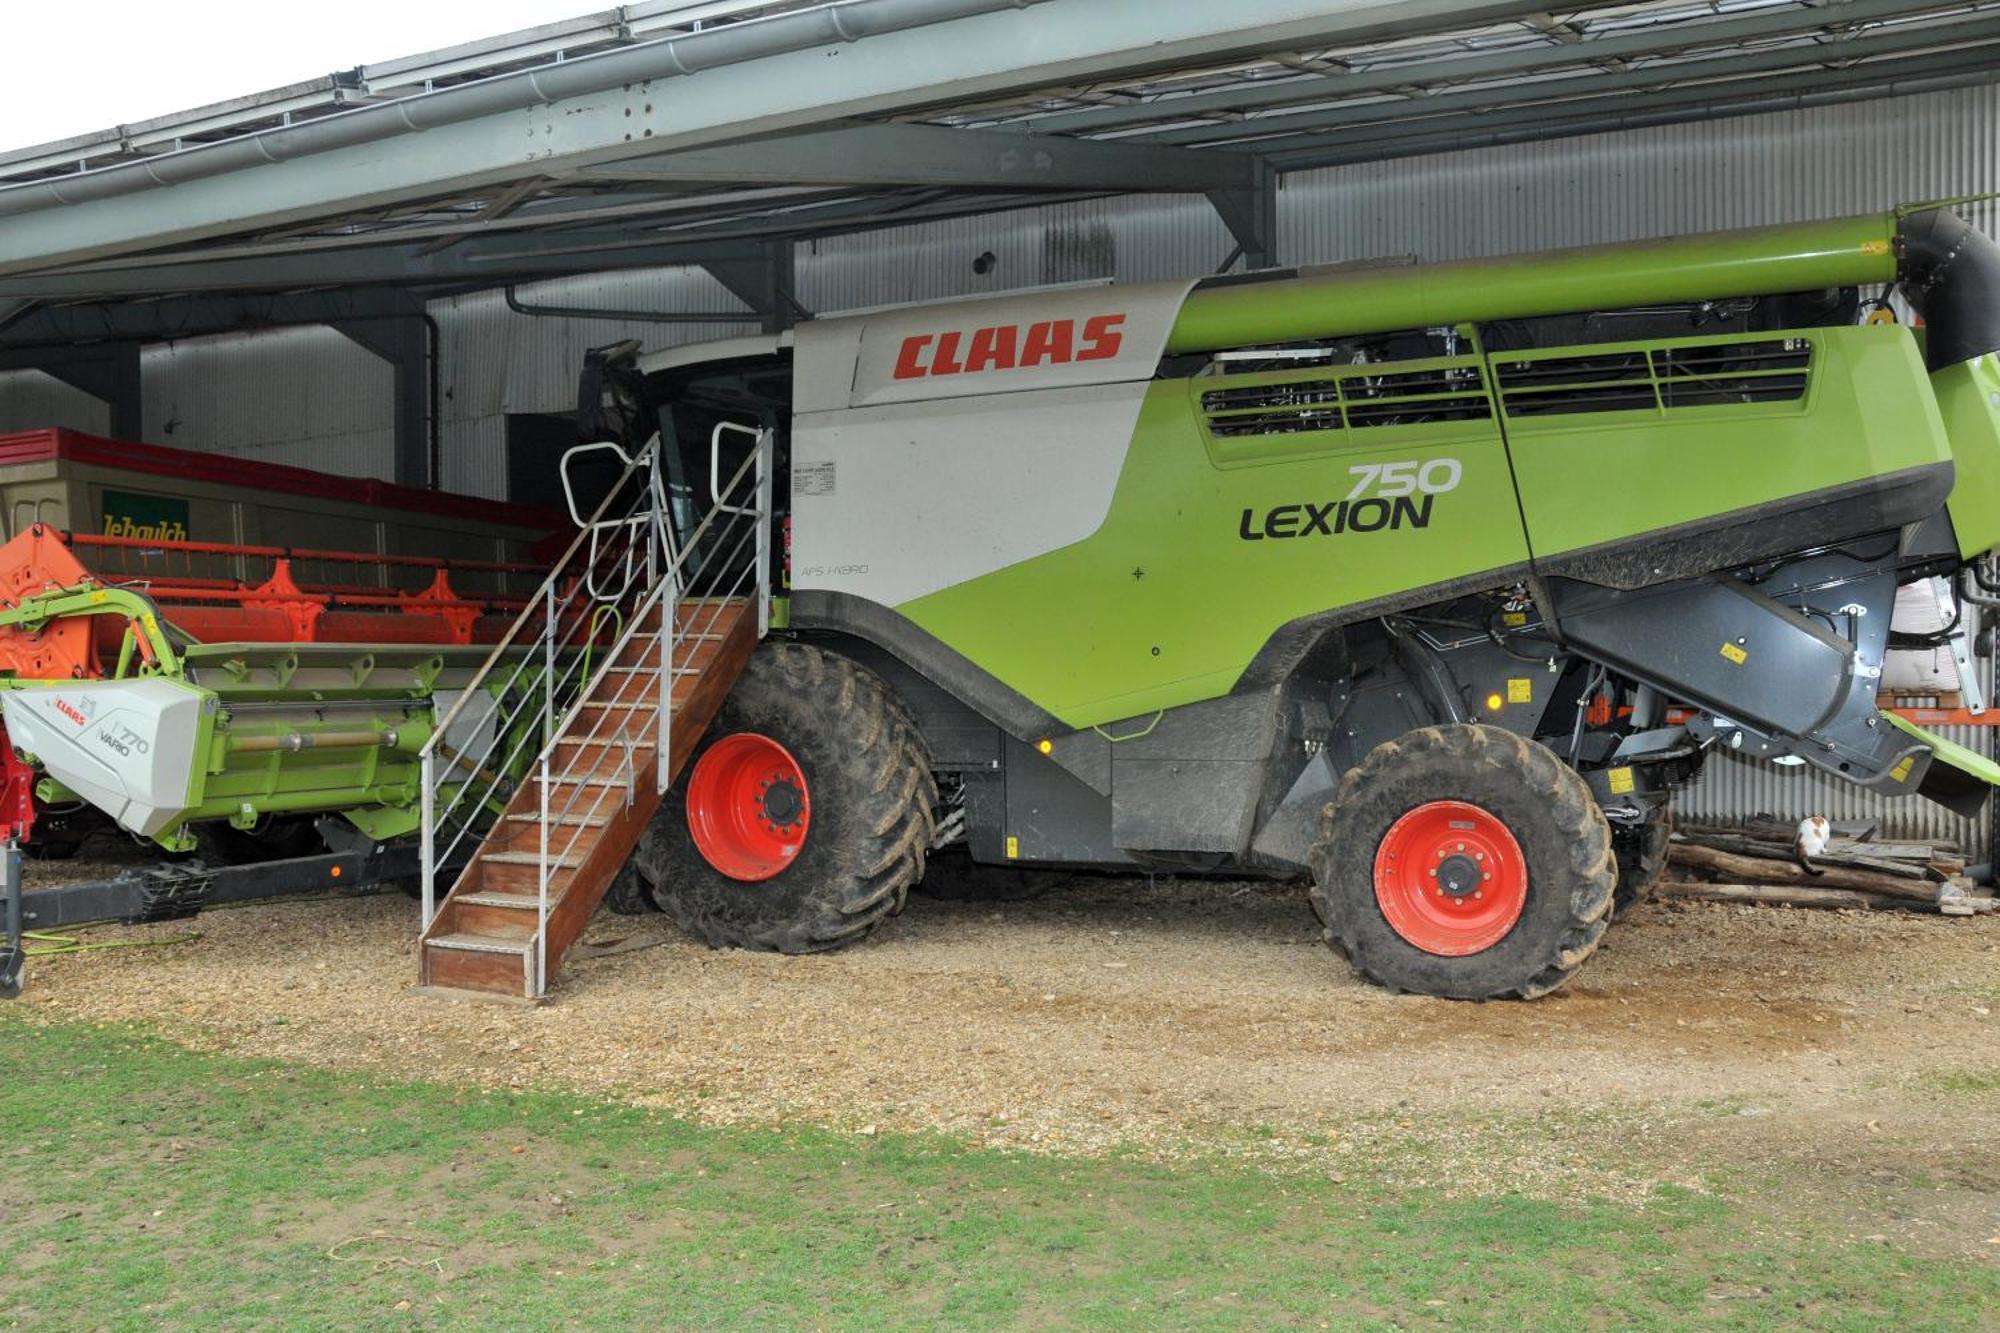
pixel 1834 855
pixel 1775 895
pixel 1728 866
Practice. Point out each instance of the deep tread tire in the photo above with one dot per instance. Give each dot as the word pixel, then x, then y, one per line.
pixel 629 894
pixel 1545 805
pixel 1641 854
pixel 872 797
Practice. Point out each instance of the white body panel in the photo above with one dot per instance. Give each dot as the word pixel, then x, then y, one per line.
pixel 936 444
pixel 126 746
pixel 892 503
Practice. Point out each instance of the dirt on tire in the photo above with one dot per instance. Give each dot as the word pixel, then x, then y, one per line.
pixel 1541 801
pixel 872 802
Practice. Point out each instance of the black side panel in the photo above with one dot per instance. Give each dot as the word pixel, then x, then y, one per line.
pixel 1050 816
pixel 1292 642
pixel 1720 644
pixel 1192 782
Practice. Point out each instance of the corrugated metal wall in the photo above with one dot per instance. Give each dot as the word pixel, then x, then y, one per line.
pixel 496 361
pixel 1784 167
pixel 30 400
pixel 304 396
pixel 1730 789
pixel 308 396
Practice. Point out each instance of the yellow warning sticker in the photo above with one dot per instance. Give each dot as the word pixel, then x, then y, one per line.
pixel 97 597
pixel 1521 690
pixel 1735 654
pixel 1901 772
pixel 1620 780
pixel 1874 247
pixel 1514 619
pixel 1013 848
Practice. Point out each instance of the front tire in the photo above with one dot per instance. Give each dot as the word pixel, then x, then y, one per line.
pixel 805 815
pixel 1464 862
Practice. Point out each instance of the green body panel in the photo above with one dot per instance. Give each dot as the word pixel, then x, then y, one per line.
pixel 1968 401
pixel 1590 478
pixel 1205 552
pixel 1167 602
pixel 1756 261
pixel 1951 752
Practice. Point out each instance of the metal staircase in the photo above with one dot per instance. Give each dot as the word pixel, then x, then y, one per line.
pixel 547 767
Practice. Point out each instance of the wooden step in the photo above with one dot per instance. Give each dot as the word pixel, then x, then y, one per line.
pixel 498 914
pixel 602 794
pixel 523 841
pixel 490 876
pixel 478 944
pixel 526 902
pixel 478 963
pixel 557 861
pixel 533 818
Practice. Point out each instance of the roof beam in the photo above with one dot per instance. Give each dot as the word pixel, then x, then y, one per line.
pixel 1646 41
pixel 71 326
pixel 894 56
pixel 937 157
pixel 489 263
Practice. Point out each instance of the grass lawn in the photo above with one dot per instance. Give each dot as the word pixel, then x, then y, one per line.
pixel 144 1185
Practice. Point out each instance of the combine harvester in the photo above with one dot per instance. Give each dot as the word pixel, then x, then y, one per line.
pixel 1386 576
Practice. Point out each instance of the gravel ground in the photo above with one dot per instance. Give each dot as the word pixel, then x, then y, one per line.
pixel 1180 1016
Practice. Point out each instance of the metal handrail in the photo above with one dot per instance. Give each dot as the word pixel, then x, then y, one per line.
pixel 647 457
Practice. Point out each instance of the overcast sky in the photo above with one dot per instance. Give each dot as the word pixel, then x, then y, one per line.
pixel 73 68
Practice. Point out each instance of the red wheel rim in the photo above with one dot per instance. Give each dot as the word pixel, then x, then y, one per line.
pixel 747 805
pixel 1450 878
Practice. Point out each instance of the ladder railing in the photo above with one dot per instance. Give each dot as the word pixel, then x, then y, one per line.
pixel 540 682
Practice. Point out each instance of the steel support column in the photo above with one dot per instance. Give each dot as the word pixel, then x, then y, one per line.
pixel 1251 214
pixel 405 342
pixel 765 284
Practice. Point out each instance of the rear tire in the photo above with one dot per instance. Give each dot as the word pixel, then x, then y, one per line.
pixel 1524 850
pixel 1641 853
pixel 866 828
